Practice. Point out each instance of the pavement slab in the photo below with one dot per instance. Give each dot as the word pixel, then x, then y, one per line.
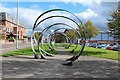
pixel 25 66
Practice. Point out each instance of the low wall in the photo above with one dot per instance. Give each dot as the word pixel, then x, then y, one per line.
pixel 99 41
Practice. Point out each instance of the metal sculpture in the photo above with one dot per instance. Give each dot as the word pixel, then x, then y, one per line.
pixel 39 42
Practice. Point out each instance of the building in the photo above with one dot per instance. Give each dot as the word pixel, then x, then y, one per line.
pixel 8 27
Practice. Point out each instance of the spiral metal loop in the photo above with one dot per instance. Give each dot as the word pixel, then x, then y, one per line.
pixel 51 39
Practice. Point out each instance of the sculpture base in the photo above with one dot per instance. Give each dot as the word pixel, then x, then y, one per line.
pixel 49 55
pixel 42 57
pixel 68 64
pixel 72 51
pixel 36 56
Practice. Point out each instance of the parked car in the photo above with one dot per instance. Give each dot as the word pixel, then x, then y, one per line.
pixel 117 48
pixel 100 45
pixel 87 44
pixel 116 44
pixel 105 47
pixel 113 46
pixel 80 43
pixel 110 47
pixel 93 45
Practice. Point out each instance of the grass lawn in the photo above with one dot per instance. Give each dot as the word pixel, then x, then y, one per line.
pixel 102 53
pixel 28 51
pixel 88 51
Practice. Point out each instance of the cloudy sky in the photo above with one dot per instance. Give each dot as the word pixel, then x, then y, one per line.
pixel 95 10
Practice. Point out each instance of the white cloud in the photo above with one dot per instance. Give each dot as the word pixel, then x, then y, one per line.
pixel 84 2
pixel 88 14
pixel 96 13
pixel 97 19
pixel 35 6
pixel 29 15
pixel 53 6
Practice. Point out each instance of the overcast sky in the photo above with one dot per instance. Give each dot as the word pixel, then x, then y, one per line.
pixel 95 10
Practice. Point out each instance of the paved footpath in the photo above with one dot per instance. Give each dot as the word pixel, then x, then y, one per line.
pixel 25 66
pixel 61 50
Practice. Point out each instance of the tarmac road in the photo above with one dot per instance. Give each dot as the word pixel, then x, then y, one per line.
pixel 5 48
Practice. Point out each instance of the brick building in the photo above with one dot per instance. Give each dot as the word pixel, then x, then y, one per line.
pixel 8 27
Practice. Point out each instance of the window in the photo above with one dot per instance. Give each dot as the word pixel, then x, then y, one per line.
pixel 3 14
pixel 4 28
pixel 14 25
pixel 11 30
pixel 7 29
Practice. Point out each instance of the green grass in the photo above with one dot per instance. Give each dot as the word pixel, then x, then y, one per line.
pixel 28 51
pixel 90 51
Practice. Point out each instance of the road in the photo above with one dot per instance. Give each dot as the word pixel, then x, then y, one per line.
pixel 4 48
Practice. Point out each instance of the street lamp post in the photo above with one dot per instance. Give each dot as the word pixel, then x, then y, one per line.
pixel 108 35
pixel 17 25
pixel 101 35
